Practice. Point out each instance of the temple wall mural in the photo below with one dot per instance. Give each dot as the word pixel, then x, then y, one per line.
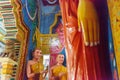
pixel 45 28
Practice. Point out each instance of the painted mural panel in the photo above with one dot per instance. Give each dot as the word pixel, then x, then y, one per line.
pixel 43 19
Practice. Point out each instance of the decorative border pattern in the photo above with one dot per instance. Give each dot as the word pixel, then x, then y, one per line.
pixel 22 36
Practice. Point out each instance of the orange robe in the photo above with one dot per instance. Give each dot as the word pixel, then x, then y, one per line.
pixel 60 69
pixel 82 61
pixel 36 68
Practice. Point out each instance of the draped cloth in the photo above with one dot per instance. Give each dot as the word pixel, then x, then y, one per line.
pixel 82 61
pixel 60 69
pixel 36 68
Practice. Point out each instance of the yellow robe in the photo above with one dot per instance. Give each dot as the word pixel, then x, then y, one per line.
pixel 36 68
pixel 60 69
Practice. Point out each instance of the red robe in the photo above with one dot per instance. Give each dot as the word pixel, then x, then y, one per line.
pixel 82 61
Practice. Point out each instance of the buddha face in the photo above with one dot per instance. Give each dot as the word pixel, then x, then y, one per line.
pixel 60 58
pixel 37 54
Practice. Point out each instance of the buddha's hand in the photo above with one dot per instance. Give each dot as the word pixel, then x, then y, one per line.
pixel 55 78
pixel 44 71
pixel 88 20
pixel 61 74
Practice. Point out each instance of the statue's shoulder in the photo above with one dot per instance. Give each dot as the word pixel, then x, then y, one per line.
pixel 30 62
pixel 53 67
